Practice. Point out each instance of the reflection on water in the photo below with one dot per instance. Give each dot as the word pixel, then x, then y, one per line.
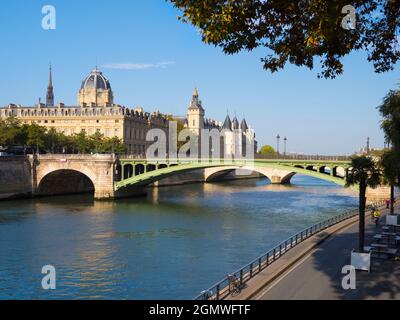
pixel 171 245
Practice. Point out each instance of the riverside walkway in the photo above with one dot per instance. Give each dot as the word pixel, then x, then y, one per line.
pixel 312 270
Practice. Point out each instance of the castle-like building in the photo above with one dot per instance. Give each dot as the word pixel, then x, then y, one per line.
pixel 97 112
pixel 237 138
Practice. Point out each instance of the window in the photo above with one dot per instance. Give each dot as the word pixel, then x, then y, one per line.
pixel 194 123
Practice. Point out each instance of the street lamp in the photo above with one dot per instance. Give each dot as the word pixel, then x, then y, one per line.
pixel 285 141
pixel 277 144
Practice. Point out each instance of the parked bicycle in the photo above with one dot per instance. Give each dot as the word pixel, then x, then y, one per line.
pixel 234 284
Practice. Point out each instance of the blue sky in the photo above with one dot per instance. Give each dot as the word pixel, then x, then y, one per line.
pixel 153 60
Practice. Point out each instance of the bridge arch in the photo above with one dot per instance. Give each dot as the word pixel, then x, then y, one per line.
pixel 65 181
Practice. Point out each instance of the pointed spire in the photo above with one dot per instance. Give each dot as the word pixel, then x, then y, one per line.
pixel 244 125
pixel 50 78
pixel 235 122
pixel 50 93
pixel 227 124
pixel 195 103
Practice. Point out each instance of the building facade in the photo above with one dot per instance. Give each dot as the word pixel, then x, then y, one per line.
pixel 235 139
pixel 95 112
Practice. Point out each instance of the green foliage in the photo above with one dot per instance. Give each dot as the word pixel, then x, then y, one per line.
pixel 390 111
pixel 298 32
pixel 267 150
pixel 364 172
pixel 33 135
pixel 390 163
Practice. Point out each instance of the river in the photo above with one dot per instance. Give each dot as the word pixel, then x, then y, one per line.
pixel 170 245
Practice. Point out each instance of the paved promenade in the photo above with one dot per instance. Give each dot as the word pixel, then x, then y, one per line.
pixel 315 270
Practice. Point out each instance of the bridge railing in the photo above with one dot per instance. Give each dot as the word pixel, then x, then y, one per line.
pixel 221 290
pixel 257 157
pixel 302 157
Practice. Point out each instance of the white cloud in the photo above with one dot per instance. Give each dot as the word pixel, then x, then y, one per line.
pixel 137 66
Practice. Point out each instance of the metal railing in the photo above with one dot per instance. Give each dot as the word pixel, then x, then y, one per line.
pixel 220 290
pixel 302 157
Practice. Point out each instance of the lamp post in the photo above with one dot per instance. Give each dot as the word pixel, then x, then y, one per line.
pixel 285 141
pixel 277 143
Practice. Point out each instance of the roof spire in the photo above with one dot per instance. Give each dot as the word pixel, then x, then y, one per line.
pixel 195 92
pixel 50 93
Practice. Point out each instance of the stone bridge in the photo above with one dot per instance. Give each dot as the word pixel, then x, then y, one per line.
pixel 111 177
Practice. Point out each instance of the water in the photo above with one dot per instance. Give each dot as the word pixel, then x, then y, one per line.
pixel 172 245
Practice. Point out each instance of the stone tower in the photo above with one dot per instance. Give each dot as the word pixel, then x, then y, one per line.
pixel 50 93
pixel 195 115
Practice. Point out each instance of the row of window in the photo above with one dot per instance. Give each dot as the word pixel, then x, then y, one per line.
pixel 135 133
pixel 136 149
pixel 70 112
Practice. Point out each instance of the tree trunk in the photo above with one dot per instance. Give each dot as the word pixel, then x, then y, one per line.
pixel 391 199
pixel 362 201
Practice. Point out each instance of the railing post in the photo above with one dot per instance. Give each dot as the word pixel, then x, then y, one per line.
pixel 217 293
pixel 259 264
pixel 241 276
pixel 251 270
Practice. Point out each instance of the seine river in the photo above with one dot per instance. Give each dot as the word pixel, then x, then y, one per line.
pixel 172 245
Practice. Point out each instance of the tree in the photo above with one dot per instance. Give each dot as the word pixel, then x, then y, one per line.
pixel 114 145
pixel 364 173
pixel 390 163
pixel 52 139
pixel 36 136
pixel 300 32
pixel 267 150
pixel 9 131
pixel 81 142
pixel 390 111
pixel 97 142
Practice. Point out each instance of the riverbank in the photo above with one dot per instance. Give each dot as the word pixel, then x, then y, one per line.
pixel 313 270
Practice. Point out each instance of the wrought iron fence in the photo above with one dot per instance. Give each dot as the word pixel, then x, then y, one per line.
pixel 302 157
pixel 221 290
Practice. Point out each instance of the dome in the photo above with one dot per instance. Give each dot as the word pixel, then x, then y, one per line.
pixel 96 80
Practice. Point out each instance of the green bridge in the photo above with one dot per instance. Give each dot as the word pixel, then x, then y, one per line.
pixel 138 172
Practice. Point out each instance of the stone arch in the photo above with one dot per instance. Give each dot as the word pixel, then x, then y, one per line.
pixel 219 174
pixel 276 176
pixel 65 181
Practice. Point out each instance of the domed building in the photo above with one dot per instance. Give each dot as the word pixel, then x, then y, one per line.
pixel 95 90
pixel 95 112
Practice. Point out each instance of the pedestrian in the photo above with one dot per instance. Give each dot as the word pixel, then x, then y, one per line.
pixel 387 203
